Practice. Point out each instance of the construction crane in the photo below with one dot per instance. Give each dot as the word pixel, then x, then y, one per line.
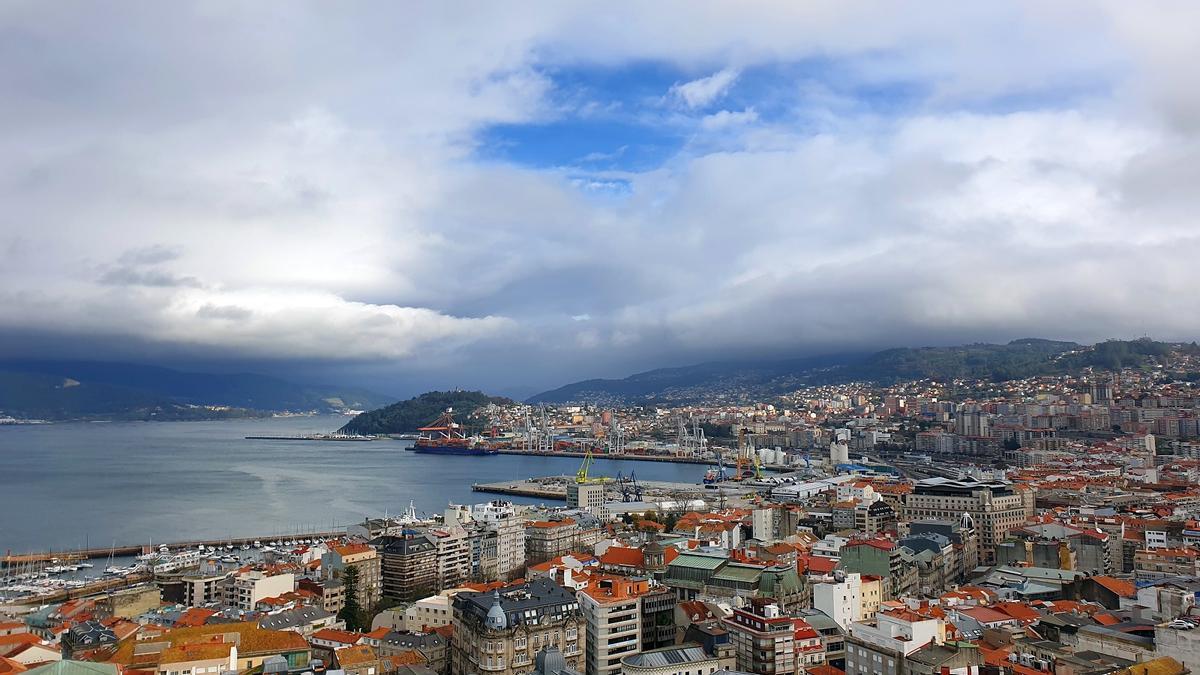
pixel 582 477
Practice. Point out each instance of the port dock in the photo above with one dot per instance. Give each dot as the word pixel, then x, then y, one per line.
pixel 314 437
pixel 554 488
pixel 631 457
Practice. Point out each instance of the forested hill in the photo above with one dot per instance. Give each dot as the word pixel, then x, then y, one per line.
pixel 754 381
pixel 1018 359
pixel 406 416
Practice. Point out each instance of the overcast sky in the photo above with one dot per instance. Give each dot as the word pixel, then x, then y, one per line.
pixel 517 195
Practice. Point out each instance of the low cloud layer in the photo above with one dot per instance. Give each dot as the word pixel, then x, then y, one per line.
pixel 295 184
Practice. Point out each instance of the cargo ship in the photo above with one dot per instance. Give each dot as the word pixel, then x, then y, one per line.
pixel 444 436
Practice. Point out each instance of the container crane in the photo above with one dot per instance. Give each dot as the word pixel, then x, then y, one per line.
pixel 582 476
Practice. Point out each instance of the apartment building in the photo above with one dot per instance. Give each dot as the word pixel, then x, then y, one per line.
pixel 994 508
pixel 202 589
pixel 499 632
pixel 624 616
pixel 331 593
pixel 366 561
pixel 502 531
pixel 548 539
pixel 840 600
pixel 428 613
pixel 764 640
pixel 883 643
pixel 245 589
pixel 408 565
pixel 1158 563
pixel 883 558
pixel 586 496
pixel 452 548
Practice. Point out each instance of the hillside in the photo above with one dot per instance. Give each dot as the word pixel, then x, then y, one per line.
pixel 729 380
pixel 58 390
pixel 1017 359
pixel 406 416
pixel 754 381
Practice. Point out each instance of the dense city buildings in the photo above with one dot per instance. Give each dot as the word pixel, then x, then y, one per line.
pixel 842 529
pixel 502 630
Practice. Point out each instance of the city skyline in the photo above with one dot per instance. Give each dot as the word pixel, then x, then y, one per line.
pixel 516 197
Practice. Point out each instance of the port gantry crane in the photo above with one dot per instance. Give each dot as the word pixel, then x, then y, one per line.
pixel 631 489
pixel 582 476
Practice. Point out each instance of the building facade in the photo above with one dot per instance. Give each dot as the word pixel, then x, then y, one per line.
pixel 408 565
pixel 764 640
pixel 365 560
pixel 994 508
pixel 500 632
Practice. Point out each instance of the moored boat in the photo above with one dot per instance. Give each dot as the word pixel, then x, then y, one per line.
pixel 444 436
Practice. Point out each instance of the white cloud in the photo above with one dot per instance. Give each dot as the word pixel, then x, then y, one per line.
pixel 724 119
pixel 704 91
pixel 315 193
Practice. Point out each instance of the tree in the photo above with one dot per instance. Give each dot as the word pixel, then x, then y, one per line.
pixel 351 612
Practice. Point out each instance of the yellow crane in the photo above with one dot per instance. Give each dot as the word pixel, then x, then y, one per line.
pixel 581 476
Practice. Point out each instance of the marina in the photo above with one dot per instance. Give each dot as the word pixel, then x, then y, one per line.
pixel 226 543
pixel 30 577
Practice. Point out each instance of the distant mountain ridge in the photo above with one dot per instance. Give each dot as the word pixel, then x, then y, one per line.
pixel 57 390
pixel 757 380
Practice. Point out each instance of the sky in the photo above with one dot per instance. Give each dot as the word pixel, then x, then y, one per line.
pixel 518 195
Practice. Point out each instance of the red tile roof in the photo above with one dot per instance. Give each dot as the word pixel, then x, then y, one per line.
pixel 985 614
pixel 355 656
pixel 1018 610
pixel 1121 587
pixel 19 639
pixel 622 556
pixel 819 564
pixel 544 524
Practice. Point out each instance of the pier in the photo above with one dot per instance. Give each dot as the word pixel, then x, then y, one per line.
pixel 555 488
pixel 624 457
pixel 314 437
pixel 137 549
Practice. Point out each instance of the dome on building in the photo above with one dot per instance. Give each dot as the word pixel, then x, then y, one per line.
pixel 550 660
pixel 496 619
pixel 966 521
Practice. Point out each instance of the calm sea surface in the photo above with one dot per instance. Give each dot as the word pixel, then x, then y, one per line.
pixel 64 485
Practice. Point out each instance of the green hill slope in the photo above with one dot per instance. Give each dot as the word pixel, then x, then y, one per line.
pixel 406 416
